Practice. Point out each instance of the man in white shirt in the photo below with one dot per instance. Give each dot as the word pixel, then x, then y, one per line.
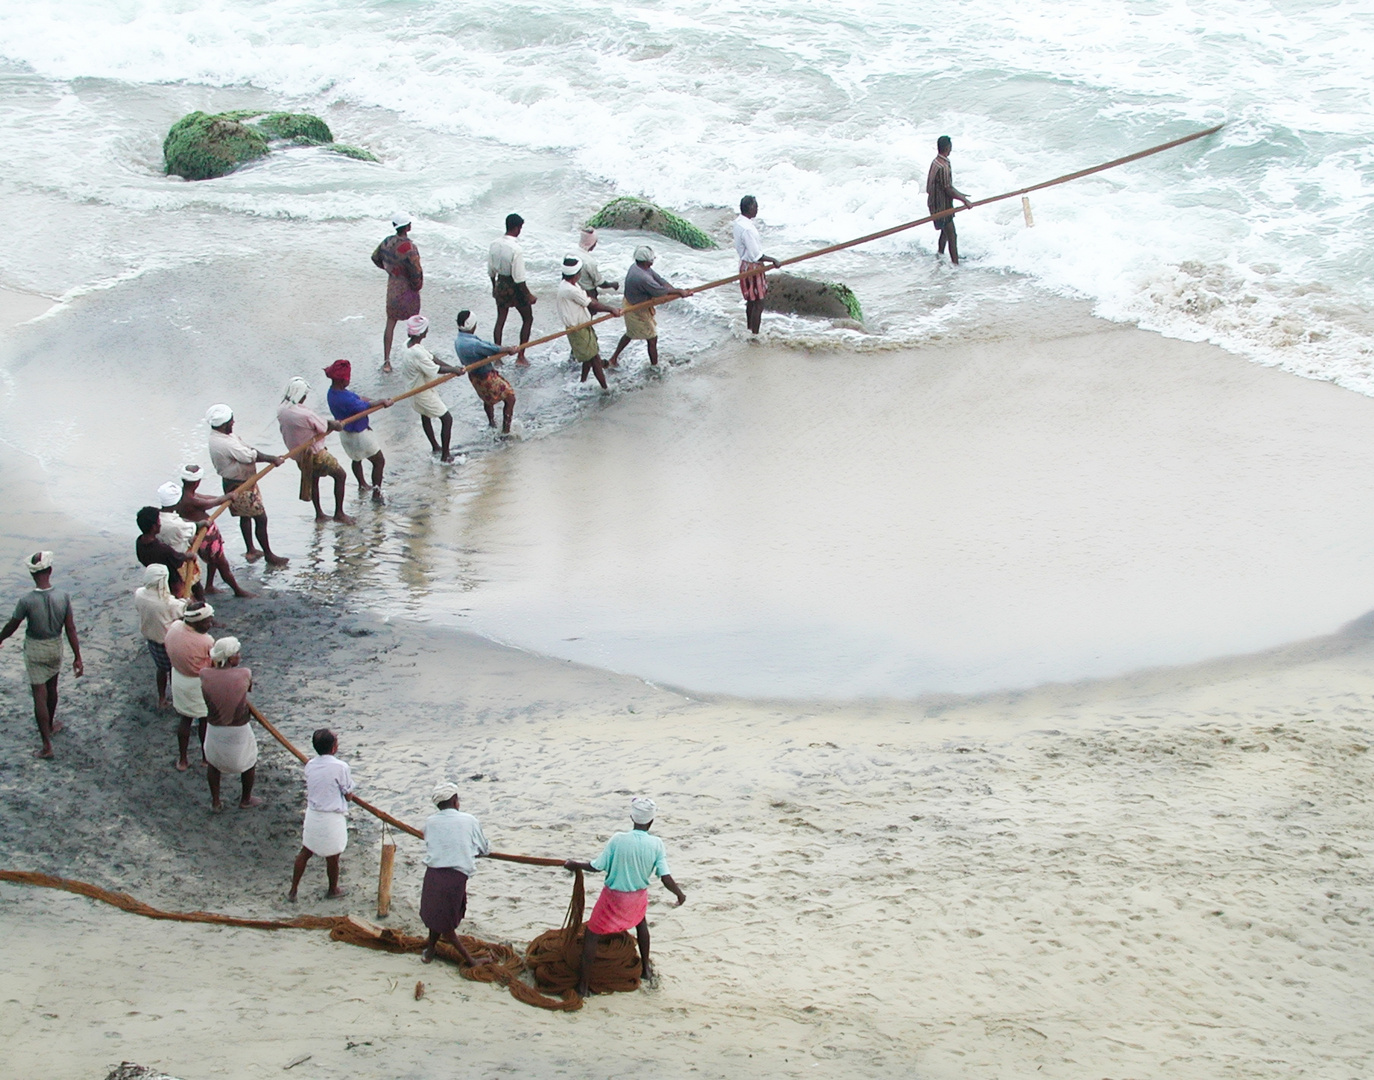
pixel 419 365
pixel 752 262
pixel 328 783
pixel 574 307
pixel 506 268
pixel 453 844
pixel 234 459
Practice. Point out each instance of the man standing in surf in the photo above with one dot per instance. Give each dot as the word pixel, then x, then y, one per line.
pixel 752 262
pixel 400 258
pixel 506 268
pixel 940 195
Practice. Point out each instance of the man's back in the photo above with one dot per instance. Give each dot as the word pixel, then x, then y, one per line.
pixel 630 859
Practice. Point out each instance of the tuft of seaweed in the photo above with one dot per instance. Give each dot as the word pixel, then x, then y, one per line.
pixel 640 215
pixel 299 127
pixel 202 146
pixel 355 152
pixel 845 295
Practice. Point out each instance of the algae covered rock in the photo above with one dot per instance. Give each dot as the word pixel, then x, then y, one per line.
pixel 640 215
pixel 802 296
pixel 202 146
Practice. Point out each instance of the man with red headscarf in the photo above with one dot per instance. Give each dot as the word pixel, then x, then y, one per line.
pixel 358 439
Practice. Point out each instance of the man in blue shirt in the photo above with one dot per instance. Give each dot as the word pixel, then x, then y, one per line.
pixel 358 439
pixel 629 860
pixel 490 384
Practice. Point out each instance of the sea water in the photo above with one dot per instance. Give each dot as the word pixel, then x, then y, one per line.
pixel 1257 239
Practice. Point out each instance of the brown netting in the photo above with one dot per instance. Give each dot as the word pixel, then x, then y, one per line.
pixel 555 956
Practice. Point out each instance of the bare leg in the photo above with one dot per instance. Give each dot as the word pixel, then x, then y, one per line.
pixel 753 315
pixel 642 935
pixel 163 677
pixel 445 433
pixel 297 872
pixel 212 778
pixel 940 247
pixel 526 325
pixel 594 365
pixel 387 335
pixel 273 558
pixel 331 869
pixel 320 515
pixel 43 716
pixel 251 553
pixel 953 247
pixel 246 800
pixel 491 413
pixel 340 485
pixel 200 730
pixel 507 411
pixel 358 475
pixel 183 742
pixel 428 425
pixel 614 361
pixel 502 310
pixel 653 351
pixel 208 584
pixel 590 943
pixel 378 467
pixel 222 562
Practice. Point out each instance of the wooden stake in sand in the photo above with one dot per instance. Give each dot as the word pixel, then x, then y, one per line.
pixel 1026 213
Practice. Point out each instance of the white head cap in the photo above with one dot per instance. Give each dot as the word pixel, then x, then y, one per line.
pixel 469 327
pixel 642 810
pixel 443 791
pixel 192 473
pixel 169 494
pixel 38 562
pixel 218 415
pixel 572 266
pixel 155 577
pixel 588 239
pixel 200 614
pixel 417 325
pixel 644 253
pixel 224 650
pixel 400 219
pixel 296 389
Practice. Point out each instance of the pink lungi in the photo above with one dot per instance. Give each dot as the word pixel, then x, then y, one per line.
pixel 616 911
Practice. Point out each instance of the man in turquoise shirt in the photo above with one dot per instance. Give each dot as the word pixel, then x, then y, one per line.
pixel 629 860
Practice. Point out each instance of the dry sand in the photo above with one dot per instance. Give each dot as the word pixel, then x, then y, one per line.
pixel 1162 874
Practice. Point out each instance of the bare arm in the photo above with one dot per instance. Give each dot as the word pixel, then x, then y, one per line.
pixel 10 628
pixel 672 887
pixel 596 307
pixel 573 864
pixel 78 668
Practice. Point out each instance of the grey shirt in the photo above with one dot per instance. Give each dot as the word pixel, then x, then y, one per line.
pixel 643 283
pixel 46 612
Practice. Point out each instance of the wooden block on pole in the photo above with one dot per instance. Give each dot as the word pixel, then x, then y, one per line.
pixel 384 879
pixel 1025 209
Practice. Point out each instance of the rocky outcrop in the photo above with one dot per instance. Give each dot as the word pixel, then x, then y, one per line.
pixel 640 215
pixel 202 146
pixel 127 1070
pixel 802 296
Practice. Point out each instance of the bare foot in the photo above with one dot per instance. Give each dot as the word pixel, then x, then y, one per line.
pixel 427 956
pixel 291 898
pixel 216 807
pixel 244 594
pixel 162 703
pixel 45 753
pixel 253 555
pixel 57 726
pixel 364 487
pixel 522 362
pixel 210 589
pixel 277 560
pixel 377 495
pixel 612 363
pixel 447 459
pixel 344 519
pixel 183 765
pixel 252 802
pixel 336 894
pixel 321 517
pixel 386 367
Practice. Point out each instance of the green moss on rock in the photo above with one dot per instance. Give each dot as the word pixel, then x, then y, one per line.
pixel 355 152
pixel 845 295
pixel 795 295
pixel 201 146
pixel 299 127
pixel 640 215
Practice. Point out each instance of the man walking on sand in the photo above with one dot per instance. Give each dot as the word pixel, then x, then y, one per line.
pixel 400 258
pixel 194 507
pixel 420 366
pixel 506 268
pixel 753 286
pixel 327 785
pixel 629 859
pixel 358 439
pixel 940 195
pixel 490 384
pixel 230 745
pixel 234 460
pixel 298 424
pixel 188 643
pixel 643 283
pixel 574 307
pixel 453 844
pixel 47 614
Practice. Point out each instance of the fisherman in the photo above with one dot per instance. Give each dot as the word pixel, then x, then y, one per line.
pixel 327 785
pixel 940 195
pixel 157 610
pixel 629 860
pixel 490 384
pixel 574 307
pixel 188 644
pixel 177 534
pixel 47 614
pixel 752 262
pixel 400 258
pixel 506 268
pixel 358 439
pixel 194 508
pixel 298 424
pixel 642 283
pixel 453 843
pixel 150 548
pixel 234 459
pixel 590 278
pixel 420 366
pixel 230 745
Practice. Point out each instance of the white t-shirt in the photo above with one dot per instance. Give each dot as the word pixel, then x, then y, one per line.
pixel 573 303
pixel 175 531
pixel 505 259
pixel 453 838
pixel 231 457
pixel 417 364
pixel 327 781
pixel 748 244
pixel 156 614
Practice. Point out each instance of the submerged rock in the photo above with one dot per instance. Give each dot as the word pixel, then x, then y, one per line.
pixel 640 215
pixel 202 146
pixel 803 296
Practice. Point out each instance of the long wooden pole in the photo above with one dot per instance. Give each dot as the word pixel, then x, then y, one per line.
pixel 657 300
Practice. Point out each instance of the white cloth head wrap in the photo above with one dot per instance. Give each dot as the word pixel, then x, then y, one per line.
pixel 296 389
pixel 469 327
pixel 224 650
pixel 169 494
pixel 443 791
pixel 572 266
pixel 192 472
pixel 644 253
pixel 642 810
pixel 400 219
pixel 38 562
pixel 588 240
pixel 218 415
pixel 205 611
pixel 155 577
pixel 416 325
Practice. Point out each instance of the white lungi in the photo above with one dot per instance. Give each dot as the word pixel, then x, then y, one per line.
pixel 187 698
pixel 231 750
pixel 325 832
pixel 359 445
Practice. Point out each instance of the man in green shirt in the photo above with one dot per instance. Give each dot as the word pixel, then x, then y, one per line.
pixel 48 613
pixel 629 860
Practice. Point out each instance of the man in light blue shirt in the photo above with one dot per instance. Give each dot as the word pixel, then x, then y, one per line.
pixel 629 860
pixel 453 843
pixel 490 384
